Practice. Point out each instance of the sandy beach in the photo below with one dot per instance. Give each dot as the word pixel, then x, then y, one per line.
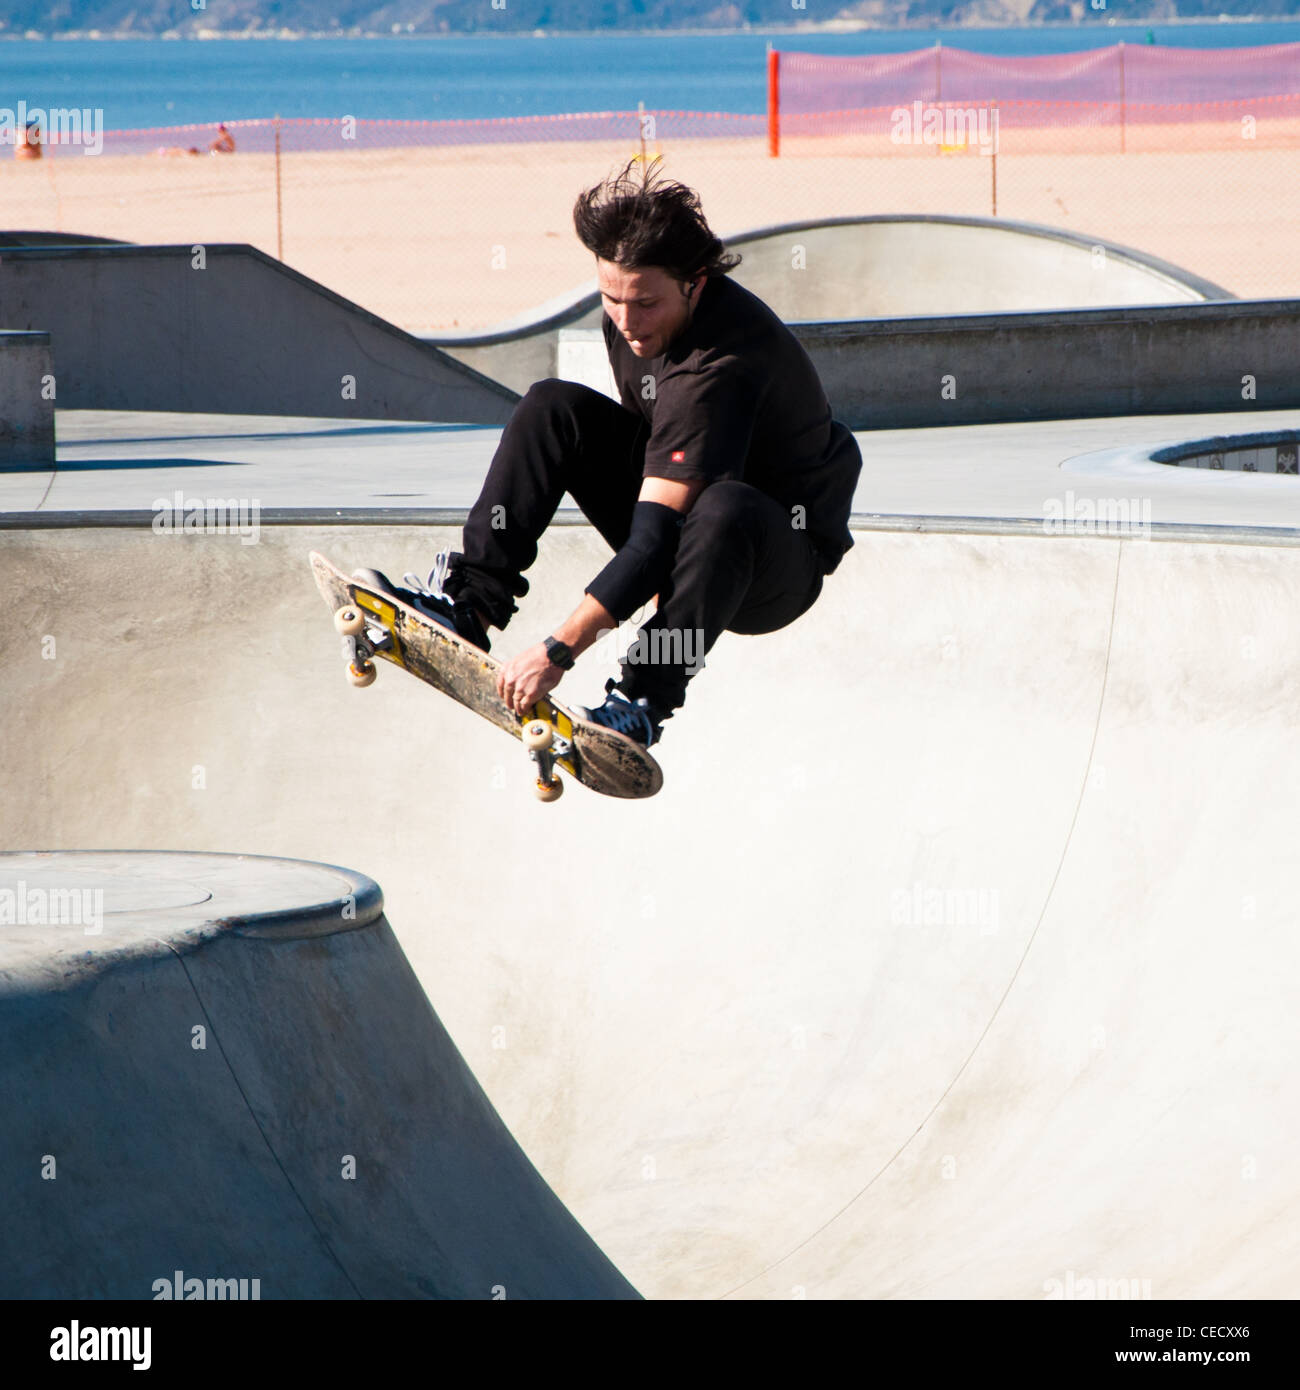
pixel 462 237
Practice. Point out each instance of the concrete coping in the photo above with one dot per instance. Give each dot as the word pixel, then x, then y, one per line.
pixel 1187 532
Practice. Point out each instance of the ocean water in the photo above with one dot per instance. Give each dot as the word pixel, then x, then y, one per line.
pixel 141 83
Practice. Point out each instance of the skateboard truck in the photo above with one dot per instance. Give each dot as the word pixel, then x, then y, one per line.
pixel 360 645
pixel 546 747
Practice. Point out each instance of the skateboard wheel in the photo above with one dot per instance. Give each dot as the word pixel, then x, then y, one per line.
pixel 361 676
pixel 549 791
pixel 537 734
pixel 349 621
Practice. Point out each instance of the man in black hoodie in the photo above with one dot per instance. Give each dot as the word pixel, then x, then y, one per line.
pixel 719 480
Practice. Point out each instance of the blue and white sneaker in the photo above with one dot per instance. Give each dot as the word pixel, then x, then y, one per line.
pixel 428 597
pixel 638 719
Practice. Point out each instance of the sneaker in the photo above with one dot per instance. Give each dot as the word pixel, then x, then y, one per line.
pixel 638 719
pixel 426 596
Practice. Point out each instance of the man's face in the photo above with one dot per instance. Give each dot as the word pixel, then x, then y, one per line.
pixel 648 307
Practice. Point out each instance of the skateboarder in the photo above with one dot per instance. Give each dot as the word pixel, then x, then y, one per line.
pixel 719 480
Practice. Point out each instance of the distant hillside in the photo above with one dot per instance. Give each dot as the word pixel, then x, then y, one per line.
pixel 155 17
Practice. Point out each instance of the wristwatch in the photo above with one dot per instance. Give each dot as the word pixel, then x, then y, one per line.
pixel 559 654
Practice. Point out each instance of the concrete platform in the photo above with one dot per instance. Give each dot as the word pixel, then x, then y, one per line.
pixel 220 1076
pixel 1023 472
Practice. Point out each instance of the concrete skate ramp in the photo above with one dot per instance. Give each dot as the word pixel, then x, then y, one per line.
pixel 957 957
pixel 237 1077
pixel 210 327
pixel 861 268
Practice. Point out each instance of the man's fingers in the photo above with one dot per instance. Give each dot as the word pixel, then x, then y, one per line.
pixel 521 691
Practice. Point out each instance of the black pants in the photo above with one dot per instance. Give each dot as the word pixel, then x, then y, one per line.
pixel 740 564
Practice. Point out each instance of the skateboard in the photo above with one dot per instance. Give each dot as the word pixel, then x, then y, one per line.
pixel 375 624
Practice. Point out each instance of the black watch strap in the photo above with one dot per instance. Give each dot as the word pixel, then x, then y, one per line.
pixel 559 654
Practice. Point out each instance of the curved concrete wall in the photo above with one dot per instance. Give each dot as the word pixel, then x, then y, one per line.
pixel 858 268
pixel 980 973
pixel 891 266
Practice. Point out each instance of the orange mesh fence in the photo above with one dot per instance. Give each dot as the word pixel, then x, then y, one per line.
pixel 1043 127
pixel 1145 74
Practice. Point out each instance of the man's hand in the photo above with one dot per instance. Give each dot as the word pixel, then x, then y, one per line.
pixel 524 679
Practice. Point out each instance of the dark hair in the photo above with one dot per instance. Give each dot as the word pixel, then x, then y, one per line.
pixel 639 220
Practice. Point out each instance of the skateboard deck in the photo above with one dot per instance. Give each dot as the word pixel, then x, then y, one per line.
pixel 374 623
